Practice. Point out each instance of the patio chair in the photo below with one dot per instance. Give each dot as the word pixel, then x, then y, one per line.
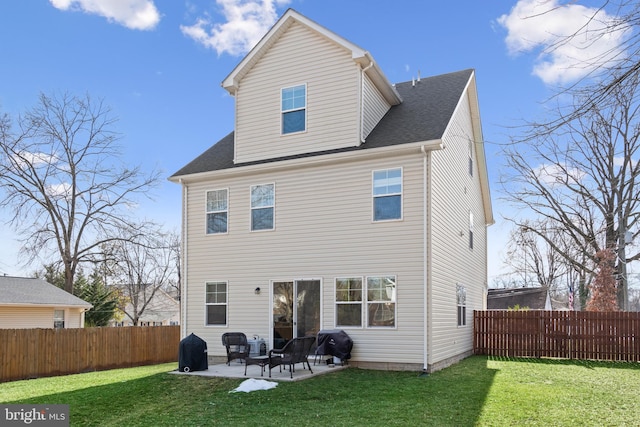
pixel 295 351
pixel 236 345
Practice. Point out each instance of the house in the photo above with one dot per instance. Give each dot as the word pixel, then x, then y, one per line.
pixel 339 201
pixel 162 310
pixel 524 298
pixel 34 303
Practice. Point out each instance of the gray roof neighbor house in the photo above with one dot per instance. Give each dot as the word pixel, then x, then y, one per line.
pixel 29 291
pixel 524 298
pixel 27 303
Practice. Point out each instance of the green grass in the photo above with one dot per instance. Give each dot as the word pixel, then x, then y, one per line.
pixel 477 391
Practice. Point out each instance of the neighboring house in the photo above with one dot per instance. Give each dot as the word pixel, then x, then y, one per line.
pixel 523 298
pixel 340 201
pixel 162 310
pixel 34 303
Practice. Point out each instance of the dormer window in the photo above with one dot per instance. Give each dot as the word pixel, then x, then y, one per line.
pixel 294 109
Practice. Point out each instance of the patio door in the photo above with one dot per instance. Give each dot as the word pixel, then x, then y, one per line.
pixel 296 310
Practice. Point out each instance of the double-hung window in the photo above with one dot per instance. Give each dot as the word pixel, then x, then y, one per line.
pixel 216 303
pixel 387 194
pixel 461 297
pixel 58 319
pixel 217 211
pixel 262 207
pixel 349 302
pixel 381 301
pixel 294 109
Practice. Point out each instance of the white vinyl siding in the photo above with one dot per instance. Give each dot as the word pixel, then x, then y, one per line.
pixel 455 197
pixel 332 106
pixel 374 106
pixel 324 231
pixel 29 317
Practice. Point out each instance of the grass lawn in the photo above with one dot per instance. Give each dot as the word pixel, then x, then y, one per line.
pixel 478 391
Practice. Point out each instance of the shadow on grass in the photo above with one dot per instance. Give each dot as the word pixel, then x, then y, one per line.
pixel 453 396
pixel 589 364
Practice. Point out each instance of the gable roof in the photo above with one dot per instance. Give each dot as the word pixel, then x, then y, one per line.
pixel 532 298
pixel 20 291
pixel 423 115
pixel 359 55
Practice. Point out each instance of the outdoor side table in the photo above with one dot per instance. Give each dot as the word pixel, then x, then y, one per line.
pixel 262 361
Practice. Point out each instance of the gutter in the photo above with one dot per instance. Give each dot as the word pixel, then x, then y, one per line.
pixel 184 262
pixel 425 278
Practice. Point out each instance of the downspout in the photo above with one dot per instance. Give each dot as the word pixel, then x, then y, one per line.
pixel 183 285
pixel 364 70
pixel 425 273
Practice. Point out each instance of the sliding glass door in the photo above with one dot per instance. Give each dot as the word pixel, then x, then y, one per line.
pixel 296 310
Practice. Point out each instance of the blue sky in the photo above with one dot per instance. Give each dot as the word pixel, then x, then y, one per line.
pixel 159 64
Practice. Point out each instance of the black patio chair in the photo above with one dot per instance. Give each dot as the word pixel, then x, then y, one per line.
pixel 295 351
pixel 236 345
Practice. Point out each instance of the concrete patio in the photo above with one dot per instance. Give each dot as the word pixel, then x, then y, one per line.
pixel 236 370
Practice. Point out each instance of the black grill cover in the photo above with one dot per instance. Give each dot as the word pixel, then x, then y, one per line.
pixel 192 355
pixel 335 342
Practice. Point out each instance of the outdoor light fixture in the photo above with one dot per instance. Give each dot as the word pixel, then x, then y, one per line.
pixel 257 291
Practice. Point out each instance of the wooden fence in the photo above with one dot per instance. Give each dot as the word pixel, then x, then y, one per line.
pixel 31 353
pixel 563 334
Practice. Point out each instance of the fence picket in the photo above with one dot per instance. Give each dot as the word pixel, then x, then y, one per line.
pixel 31 353
pixel 562 334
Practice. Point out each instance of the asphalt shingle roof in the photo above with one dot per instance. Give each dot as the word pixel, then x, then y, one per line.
pixel 28 291
pixel 424 114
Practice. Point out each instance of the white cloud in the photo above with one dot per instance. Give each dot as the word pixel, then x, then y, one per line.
pixel 570 39
pixel 62 190
pixel 246 22
pixel 556 175
pixel 133 14
pixel 27 159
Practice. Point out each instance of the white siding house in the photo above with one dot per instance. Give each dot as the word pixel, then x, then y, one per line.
pixel 27 303
pixel 340 201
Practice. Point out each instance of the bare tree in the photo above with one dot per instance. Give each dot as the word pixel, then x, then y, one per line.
pixel 62 179
pixel 141 268
pixel 584 180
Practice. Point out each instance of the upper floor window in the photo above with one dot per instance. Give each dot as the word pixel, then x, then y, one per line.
pixel 294 109
pixel 387 194
pixel 217 211
pixel 262 207
pixel 216 303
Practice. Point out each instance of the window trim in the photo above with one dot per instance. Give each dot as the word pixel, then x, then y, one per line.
pixel 283 111
pixel 272 207
pixel 394 300
pixel 461 305
pixel 207 304
pixel 374 196
pixel 362 302
pixel 207 212
pixel 471 228
pixel 59 323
